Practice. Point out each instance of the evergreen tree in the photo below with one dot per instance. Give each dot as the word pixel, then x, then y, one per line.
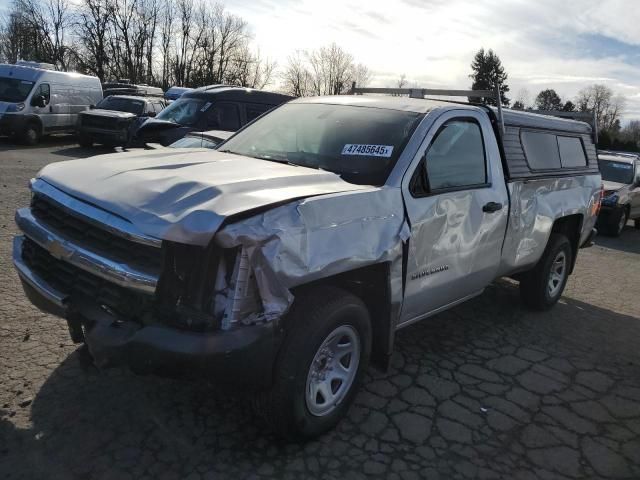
pixel 518 105
pixel 487 73
pixel 548 100
pixel 569 106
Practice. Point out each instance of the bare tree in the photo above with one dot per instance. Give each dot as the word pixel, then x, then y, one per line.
pixel 93 30
pixel 327 71
pixel 49 22
pixel 601 100
pixel 296 78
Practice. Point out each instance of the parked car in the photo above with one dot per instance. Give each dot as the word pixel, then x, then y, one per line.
pixel 621 197
pixel 209 139
pixel 37 101
pixel 175 93
pixel 216 107
pixel 289 257
pixel 115 118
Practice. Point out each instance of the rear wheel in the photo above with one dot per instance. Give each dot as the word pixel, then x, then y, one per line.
pixel 636 224
pixel 320 366
pixel 31 134
pixel 542 287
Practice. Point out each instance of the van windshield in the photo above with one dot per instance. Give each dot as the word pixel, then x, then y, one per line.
pixel 619 172
pixel 185 111
pixel 361 144
pixel 14 90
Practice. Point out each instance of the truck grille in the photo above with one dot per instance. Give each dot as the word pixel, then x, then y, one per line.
pixel 96 239
pixel 95 121
pixel 76 282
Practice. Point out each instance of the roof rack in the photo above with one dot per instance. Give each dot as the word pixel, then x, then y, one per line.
pixel 424 92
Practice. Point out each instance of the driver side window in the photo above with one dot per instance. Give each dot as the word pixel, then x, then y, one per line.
pixel 43 90
pixel 456 157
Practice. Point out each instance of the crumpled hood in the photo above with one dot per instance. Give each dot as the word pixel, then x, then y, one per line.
pixel 186 196
pixel 98 112
pixel 612 186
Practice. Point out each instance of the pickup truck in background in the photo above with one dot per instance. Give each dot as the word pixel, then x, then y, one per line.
pixel 621 196
pixel 289 258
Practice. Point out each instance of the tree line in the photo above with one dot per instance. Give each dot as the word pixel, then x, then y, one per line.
pixel 164 42
pixel 193 43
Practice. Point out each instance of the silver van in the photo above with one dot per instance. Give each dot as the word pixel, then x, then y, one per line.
pixel 36 102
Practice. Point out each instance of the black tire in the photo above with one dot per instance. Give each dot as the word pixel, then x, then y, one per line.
pixel 535 284
pixel 314 316
pixel 31 134
pixel 85 142
pixel 636 224
pixel 618 222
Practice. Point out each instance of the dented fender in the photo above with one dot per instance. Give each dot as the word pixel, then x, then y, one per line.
pixel 319 237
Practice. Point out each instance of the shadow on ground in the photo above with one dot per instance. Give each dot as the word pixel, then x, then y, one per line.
pixel 628 241
pixel 486 390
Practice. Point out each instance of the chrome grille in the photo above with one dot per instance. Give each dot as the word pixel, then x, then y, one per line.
pixel 74 281
pixel 94 238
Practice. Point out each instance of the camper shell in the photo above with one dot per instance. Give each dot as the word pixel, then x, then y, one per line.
pixel 36 102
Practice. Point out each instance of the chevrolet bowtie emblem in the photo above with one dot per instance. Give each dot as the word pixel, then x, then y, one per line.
pixel 58 250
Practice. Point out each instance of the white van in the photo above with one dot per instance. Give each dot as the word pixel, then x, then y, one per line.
pixel 36 101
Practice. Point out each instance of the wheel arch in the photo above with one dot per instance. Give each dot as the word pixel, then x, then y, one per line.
pixel 372 285
pixel 571 227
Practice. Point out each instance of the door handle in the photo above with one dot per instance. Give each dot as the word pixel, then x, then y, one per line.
pixel 492 207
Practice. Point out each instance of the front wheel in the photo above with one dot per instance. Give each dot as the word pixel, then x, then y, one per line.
pixel 542 287
pixel 619 222
pixel 321 363
pixel 31 134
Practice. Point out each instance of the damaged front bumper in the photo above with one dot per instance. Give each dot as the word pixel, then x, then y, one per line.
pixel 242 355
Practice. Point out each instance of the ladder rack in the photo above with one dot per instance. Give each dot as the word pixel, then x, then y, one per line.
pixel 425 92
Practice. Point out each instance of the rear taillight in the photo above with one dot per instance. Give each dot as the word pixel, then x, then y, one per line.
pixel 595 210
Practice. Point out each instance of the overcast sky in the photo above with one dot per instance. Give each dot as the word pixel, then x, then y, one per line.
pixel 560 44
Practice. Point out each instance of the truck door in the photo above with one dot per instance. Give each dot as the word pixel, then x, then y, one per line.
pixel 457 205
pixel 43 110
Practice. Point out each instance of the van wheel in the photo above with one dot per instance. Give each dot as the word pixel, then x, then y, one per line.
pixel 542 287
pixel 320 365
pixel 31 134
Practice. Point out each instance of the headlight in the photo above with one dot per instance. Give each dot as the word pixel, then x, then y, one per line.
pixel 15 107
pixel 611 199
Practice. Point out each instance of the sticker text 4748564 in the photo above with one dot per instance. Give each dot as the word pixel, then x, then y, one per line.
pixel 368 150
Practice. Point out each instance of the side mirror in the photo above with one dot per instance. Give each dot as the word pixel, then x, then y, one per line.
pixel 151 114
pixel 91 107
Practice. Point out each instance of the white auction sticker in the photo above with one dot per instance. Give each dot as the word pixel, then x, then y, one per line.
pixel 368 150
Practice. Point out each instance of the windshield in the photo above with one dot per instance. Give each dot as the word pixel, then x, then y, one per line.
pixel 14 90
pixel 122 105
pixel 361 144
pixel 184 111
pixel 619 172
pixel 193 142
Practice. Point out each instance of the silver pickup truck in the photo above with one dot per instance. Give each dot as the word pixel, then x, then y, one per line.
pixel 290 257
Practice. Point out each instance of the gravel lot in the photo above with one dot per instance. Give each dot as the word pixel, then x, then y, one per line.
pixel 487 390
